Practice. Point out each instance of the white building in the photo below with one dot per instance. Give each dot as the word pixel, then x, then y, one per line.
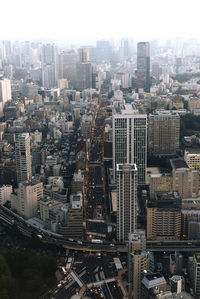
pixel 130 138
pixel 126 200
pixel 28 196
pixel 5 93
pixel 76 200
pixel 23 157
pixel 5 193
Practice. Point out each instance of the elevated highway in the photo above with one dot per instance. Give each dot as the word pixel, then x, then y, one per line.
pixel 10 218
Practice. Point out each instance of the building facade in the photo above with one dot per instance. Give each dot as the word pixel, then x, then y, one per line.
pixel 126 200
pixel 29 194
pixel 192 158
pixel 164 216
pixel 139 260
pixel 143 65
pixel 130 139
pixel 163 133
pixel 23 157
pixel 5 193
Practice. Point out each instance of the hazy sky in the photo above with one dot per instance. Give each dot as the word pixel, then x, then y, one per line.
pixel 82 21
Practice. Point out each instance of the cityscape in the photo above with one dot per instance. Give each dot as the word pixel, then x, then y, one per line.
pixel 99 160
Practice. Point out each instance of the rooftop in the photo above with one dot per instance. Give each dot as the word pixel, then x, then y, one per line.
pixel 192 151
pixel 178 163
pixel 128 109
pixel 137 237
pixel 170 295
pixel 166 200
pixel 153 280
pixel 126 167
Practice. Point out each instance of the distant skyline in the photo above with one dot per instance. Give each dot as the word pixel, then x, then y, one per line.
pixel 86 21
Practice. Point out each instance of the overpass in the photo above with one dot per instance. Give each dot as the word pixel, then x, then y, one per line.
pixel 180 245
pixel 10 218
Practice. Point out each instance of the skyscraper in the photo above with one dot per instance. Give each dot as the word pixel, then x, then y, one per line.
pixel 143 65
pixel 48 76
pixel 84 76
pixel 23 157
pixel 68 61
pixel 5 93
pixel 126 200
pixel 130 138
pixel 49 65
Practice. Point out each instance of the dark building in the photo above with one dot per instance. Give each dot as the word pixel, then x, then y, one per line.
pixel 143 65
pixel 84 75
pixel 11 112
pixel 95 81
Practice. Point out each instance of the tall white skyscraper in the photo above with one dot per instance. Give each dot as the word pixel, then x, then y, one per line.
pixel 130 138
pixel 23 157
pixel 5 93
pixel 126 200
pixel 49 65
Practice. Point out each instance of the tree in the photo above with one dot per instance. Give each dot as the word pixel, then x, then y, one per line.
pixel 7 284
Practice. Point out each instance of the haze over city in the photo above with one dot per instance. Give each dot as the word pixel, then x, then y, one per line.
pixel 87 21
pixel 99 149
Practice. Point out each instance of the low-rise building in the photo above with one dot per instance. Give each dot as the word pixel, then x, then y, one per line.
pixel 5 193
pixel 192 158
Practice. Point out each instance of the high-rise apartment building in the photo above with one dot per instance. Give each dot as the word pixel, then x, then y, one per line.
pixel 126 200
pixel 164 216
pixel 143 65
pixel 130 138
pixel 29 194
pixel 23 157
pixel 163 133
pixel 139 260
